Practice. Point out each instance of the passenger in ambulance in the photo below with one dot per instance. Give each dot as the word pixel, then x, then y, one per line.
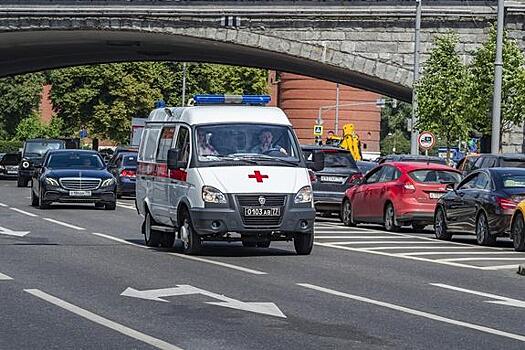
pixel 205 148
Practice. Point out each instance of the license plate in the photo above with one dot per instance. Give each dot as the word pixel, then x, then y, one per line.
pixel 436 195
pixel 255 211
pixel 80 193
pixel 337 179
pixel 12 172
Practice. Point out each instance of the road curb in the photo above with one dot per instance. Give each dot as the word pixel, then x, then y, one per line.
pixel 521 269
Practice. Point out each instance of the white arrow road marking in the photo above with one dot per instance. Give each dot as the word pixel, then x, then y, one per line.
pixel 416 312
pixel 159 344
pixel 6 231
pixel 184 289
pixel 499 299
pixel 4 277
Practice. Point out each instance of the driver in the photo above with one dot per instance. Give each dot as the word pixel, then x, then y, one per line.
pixel 265 143
pixel 205 148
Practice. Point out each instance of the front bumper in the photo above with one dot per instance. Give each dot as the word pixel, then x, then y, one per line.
pixel 218 221
pixel 126 186
pixel 25 173
pixel 60 195
pixel 328 201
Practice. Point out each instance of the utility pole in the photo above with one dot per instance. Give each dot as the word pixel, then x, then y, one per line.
pixel 417 41
pixel 498 74
pixel 183 84
pixel 337 109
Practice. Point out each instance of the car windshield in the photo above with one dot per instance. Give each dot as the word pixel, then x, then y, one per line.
pixel 435 176
pixel 243 141
pixel 513 180
pixel 38 149
pixel 11 159
pixel 129 160
pixel 334 159
pixel 75 160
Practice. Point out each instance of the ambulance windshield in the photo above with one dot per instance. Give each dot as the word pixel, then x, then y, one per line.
pixel 257 141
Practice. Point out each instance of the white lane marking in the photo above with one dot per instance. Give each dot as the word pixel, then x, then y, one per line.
pixel 368 251
pixel 499 267
pixel 501 300
pixel 24 212
pixel 418 247
pixel 385 242
pixel 125 206
pixel 4 277
pixel 358 237
pixel 65 224
pixel 159 344
pixel 480 259
pixel 3 205
pixel 189 257
pixel 455 253
pixel 416 312
pixel 6 231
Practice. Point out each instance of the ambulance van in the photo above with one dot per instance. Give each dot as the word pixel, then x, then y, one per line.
pixel 226 169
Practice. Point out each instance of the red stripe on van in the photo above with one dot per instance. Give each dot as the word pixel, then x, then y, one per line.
pixel 161 170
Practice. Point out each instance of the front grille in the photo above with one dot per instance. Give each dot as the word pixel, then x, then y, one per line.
pixel 269 201
pixel 82 184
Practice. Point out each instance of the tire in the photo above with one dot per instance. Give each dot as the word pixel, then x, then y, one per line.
pixel 347 216
pixel 168 239
pixel 152 238
pixel 42 204
pixel 518 233
pixel 264 244
pixel 440 226
pixel 389 219
pixel 483 236
pixel 191 242
pixel 110 206
pixel 119 195
pixel 418 227
pixel 34 199
pixel 249 244
pixel 303 243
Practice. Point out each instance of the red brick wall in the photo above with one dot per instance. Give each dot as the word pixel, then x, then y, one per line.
pixel 46 107
pixel 300 97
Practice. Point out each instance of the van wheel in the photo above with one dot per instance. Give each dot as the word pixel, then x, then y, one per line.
pixel 191 242
pixel 168 239
pixel 152 238
pixel 518 233
pixel 390 219
pixel 303 243
pixel 483 236
pixel 34 199
pixel 440 226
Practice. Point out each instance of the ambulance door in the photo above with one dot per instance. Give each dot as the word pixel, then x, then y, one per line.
pixel 162 179
pixel 148 168
pixel 179 185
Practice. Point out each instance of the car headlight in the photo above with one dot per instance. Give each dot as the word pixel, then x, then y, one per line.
pixel 304 195
pixel 108 182
pixel 2 167
pixel 213 195
pixel 25 164
pixel 52 182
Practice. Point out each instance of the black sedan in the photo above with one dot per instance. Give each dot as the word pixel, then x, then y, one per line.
pixel 73 176
pixel 483 204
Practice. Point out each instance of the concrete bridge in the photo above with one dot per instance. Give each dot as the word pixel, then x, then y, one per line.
pixel 363 43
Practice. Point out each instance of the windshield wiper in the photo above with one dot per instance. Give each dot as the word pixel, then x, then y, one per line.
pixel 229 158
pixel 270 158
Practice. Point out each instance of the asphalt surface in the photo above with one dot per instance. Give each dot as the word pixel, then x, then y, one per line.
pixel 361 288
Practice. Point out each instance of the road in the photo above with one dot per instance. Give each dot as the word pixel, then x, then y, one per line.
pixel 76 277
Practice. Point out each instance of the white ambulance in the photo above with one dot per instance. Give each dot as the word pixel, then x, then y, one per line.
pixel 227 168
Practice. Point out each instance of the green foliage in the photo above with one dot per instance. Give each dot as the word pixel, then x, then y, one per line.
pixel 32 127
pixel 10 146
pixel 443 92
pixel 397 142
pixel 513 89
pixel 19 97
pixel 393 121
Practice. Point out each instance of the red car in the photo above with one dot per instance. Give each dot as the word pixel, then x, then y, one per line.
pixel 398 194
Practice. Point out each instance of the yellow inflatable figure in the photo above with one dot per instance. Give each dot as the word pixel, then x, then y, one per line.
pixel 351 141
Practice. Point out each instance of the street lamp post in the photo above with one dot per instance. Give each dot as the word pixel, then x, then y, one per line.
pixel 417 40
pixel 183 84
pixel 498 73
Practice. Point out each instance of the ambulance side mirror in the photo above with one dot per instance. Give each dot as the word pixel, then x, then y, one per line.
pixel 173 160
pixel 317 163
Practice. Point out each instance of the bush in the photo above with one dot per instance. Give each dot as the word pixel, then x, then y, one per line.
pixel 10 146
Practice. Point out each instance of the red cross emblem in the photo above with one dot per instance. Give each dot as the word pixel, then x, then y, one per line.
pixel 257 176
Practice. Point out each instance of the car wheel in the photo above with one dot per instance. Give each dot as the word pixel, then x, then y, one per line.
pixel 152 237
pixel 303 243
pixel 110 206
pixel 518 234
pixel 418 227
pixel 440 226
pixel 34 198
pixel 42 204
pixel 483 236
pixel 264 244
pixel 346 213
pixel 191 242
pixel 390 218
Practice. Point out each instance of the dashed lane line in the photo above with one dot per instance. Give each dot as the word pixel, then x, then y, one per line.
pixel 384 242
pixel 159 344
pixel 415 312
pixel 65 224
pixel 482 259
pixel 3 205
pixel 189 257
pixel 4 277
pixel 24 212
pixel 500 267
pixel 359 237
pixel 455 253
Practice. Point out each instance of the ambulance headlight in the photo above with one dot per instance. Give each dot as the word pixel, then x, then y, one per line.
pixel 304 195
pixel 213 195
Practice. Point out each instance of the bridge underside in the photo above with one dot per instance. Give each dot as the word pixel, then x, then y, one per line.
pixel 30 51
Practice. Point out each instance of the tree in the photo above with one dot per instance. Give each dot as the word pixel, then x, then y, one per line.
pixel 394 133
pixel 32 127
pixel 513 87
pixel 395 142
pixel 19 97
pixel 442 92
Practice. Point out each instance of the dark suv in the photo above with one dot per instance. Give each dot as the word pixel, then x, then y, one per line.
pixel 9 165
pixel 329 185
pixel 504 160
pixel 32 154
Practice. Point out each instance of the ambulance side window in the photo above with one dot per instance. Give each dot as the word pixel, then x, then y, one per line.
pixel 183 144
pixel 150 147
pixel 165 142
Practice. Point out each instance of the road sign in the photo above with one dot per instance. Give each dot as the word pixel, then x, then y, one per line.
pixel 426 140
pixel 184 289
pixel 83 133
pixel 318 130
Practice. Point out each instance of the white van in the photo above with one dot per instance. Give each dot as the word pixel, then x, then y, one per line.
pixel 227 169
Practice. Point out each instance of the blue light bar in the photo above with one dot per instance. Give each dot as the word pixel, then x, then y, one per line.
pixel 231 99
